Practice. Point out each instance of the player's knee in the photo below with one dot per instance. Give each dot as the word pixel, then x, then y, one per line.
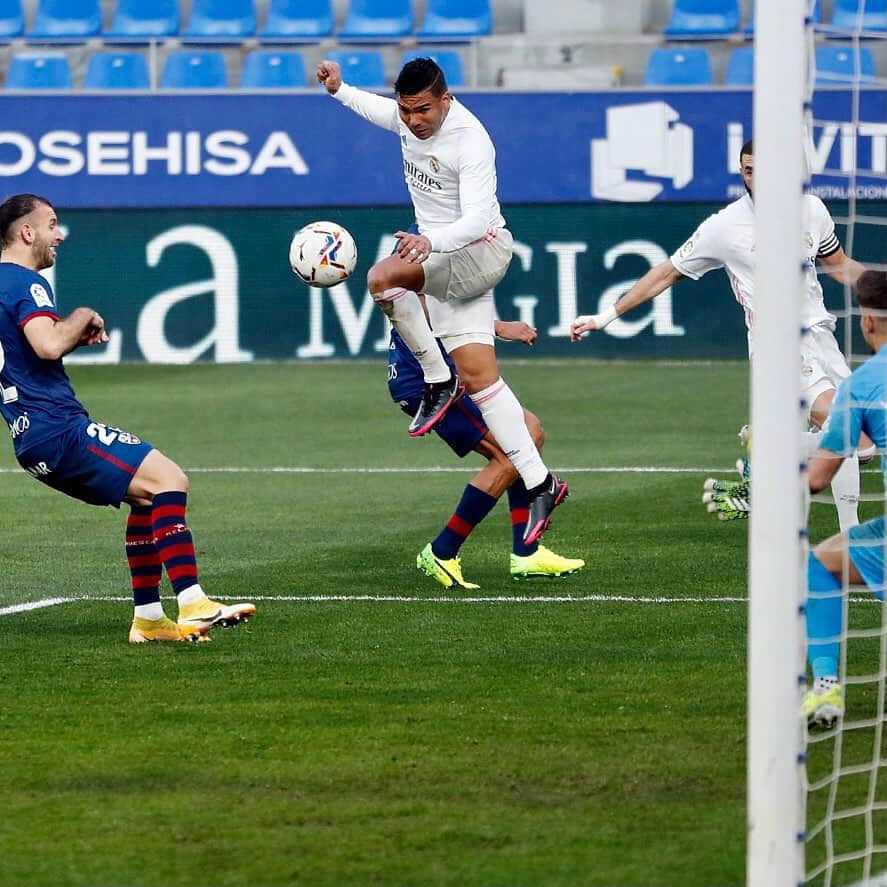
pixel 378 281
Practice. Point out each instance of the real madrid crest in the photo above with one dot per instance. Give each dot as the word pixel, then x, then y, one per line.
pixel 434 163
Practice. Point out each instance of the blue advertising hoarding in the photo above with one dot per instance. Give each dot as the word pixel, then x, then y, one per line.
pixel 305 149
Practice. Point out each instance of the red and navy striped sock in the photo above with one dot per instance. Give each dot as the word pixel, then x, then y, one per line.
pixel 145 567
pixel 173 539
pixel 473 507
pixel 519 505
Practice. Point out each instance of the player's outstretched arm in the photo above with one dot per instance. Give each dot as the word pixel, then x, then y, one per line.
pixel 516 331
pixel 841 267
pixel 654 282
pixel 53 339
pixel 376 108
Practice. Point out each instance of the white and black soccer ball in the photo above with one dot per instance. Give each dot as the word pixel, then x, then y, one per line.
pixel 323 254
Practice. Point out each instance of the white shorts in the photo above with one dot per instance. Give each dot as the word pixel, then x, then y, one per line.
pixel 823 367
pixel 460 284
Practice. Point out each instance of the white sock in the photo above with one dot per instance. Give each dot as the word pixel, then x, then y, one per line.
pixel 845 484
pixel 824 684
pixel 190 595
pixel 403 309
pixel 845 491
pixel 149 611
pixel 505 418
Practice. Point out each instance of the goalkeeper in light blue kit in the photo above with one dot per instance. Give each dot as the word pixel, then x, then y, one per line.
pixel 859 408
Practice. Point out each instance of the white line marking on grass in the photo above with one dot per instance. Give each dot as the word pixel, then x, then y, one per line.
pixel 408 599
pixel 35 605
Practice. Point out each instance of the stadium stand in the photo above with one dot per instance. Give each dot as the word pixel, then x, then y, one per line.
pixel 273 69
pixel 12 18
pixel 838 64
pixel 299 19
pixel 512 44
pixel 870 15
pixel 117 70
pixel 39 71
pixel 194 69
pixel 456 18
pixel 449 60
pixel 73 19
pixel 678 67
pixel 145 19
pixel 741 67
pixel 377 19
pixel 363 68
pixel 703 18
pixel 222 18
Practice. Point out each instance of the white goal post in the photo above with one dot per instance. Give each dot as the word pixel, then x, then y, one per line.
pixel 775 849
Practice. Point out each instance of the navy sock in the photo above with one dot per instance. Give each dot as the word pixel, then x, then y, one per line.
pixel 144 560
pixel 173 539
pixel 519 504
pixel 473 507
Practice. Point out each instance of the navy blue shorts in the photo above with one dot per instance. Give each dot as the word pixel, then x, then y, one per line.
pixel 462 427
pixel 90 461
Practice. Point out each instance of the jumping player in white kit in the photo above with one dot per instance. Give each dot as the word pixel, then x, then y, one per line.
pixel 727 240
pixel 461 252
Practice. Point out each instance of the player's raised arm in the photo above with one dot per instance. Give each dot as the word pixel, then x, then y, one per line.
pixel 376 108
pixel 654 282
pixel 839 266
pixel 52 339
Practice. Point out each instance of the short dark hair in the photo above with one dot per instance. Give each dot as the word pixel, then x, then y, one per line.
pixel 418 75
pixel 14 208
pixel 871 290
pixel 747 148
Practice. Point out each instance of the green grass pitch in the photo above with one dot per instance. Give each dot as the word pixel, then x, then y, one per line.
pixel 399 742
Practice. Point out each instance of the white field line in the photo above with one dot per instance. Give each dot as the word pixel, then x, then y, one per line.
pixel 12 609
pixel 406 599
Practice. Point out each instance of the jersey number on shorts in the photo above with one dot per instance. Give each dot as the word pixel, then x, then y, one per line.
pixel 10 394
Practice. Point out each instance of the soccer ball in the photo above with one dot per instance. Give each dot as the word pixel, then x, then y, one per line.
pixel 323 254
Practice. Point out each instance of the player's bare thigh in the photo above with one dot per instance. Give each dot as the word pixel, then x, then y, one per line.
pixel 156 474
pixel 833 555
pixel 393 271
pixel 819 413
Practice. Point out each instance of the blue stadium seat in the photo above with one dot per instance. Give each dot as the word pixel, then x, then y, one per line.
pixel 456 18
pixel 273 69
pixel 117 70
pixel 39 71
pixel 837 64
pixel 67 18
pixel 703 18
pixel 12 18
pixel 815 18
pixel 360 67
pixel 308 19
pixel 377 19
pixel 851 15
pixel 449 60
pixel 194 69
pixel 144 19
pixel 741 67
pixel 678 67
pixel 221 18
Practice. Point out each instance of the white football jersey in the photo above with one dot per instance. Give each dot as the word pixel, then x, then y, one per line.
pixel 727 240
pixel 451 176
